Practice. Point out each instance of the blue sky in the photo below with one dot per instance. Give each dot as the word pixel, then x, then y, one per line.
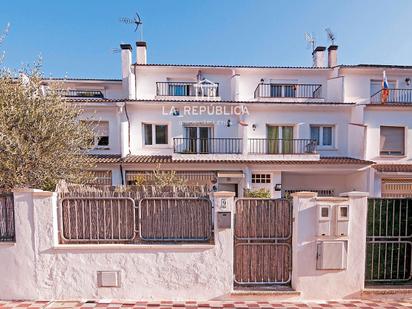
pixel 76 37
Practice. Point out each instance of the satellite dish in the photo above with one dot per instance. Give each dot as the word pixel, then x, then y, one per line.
pixel 137 21
pixel 310 40
pixel 331 36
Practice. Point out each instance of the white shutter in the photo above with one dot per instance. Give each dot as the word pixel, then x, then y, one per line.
pixel 392 140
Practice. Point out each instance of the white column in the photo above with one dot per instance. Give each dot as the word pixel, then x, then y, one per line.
pixel 307 278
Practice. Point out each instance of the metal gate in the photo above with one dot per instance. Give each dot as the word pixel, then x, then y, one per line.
pixel 389 241
pixel 263 236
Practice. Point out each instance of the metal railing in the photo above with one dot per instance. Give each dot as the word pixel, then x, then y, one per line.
pixel 208 145
pixel 272 90
pixel 7 224
pixel 389 241
pixel 281 146
pixel 111 220
pixel 69 93
pixel 187 89
pixel 393 96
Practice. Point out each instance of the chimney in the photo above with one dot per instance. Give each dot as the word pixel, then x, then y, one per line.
pixel 128 79
pixel 318 56
pixel 141 52
pixel 332 56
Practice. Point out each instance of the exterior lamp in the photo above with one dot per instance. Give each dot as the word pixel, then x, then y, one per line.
pixel 407 81
pixel 229 123
pixel 254 127
pixel 176 112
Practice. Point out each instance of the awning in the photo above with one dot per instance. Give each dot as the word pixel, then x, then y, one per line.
pixel 230 175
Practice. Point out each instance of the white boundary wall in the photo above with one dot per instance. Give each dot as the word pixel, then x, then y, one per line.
pixel 37 267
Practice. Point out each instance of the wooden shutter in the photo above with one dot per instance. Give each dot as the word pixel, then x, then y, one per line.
pixel 392 140
pixel 396 187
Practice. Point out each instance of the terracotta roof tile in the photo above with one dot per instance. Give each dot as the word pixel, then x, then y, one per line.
pixel 147 159
pixel 169 159
pixel 106 100
pixel 110 158
pixel 393 168
pixel 225 66
pixel 116 158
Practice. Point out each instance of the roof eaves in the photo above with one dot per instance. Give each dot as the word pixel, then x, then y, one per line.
pixel 224 66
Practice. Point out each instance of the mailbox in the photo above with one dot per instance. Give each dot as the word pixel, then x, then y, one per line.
pixel 224 219
pixel 342 220
pixel 331 255
pixel 324 220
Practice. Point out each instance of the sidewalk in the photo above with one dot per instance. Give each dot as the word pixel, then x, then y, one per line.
pixel 209 304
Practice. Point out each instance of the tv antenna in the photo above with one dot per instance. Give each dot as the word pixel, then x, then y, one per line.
pixel 310 40
pixel 137 21
pixel 331 36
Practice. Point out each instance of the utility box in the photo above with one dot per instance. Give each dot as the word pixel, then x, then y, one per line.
pixel 224 219
pixel 108 279
pixel 342 220
pixel 324 220
pixel 331 255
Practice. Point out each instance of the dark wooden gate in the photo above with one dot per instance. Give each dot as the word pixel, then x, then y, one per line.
pixel 389 241
pixel 263 236
pixel 7 230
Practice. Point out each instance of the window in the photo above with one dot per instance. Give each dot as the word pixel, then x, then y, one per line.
pixel 376 86
pixel 160 136
pixel 322 134
pixel 282 90
pixel 260 178
pixel 101 178
pixel 198 139
pixel 148 134
pixel 280 139
pixel 100 131
pixel 176 89
pixel 392 141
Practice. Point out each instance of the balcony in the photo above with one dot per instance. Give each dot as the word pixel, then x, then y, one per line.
pixel 394 96
pixel 208 145
pixel 68 93
pixel 204 89
pixel 291 91
pixel 255 146
pixel 267 146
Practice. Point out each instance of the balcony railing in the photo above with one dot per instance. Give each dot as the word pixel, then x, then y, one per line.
pixel 308 91
pixel 187 89
pixel 393 96
pixel 281 146
pixel 208 145
pixel 80 93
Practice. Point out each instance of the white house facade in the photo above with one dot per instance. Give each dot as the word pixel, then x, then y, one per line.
pixel 325 128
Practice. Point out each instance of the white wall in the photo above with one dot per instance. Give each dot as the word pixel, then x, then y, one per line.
pixel 38 268
pixel 110 114
pixel 328 284
pixel 339 182
pixel 391 116
pixel 301 117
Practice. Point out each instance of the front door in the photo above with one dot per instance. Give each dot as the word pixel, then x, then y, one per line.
pixel 231 187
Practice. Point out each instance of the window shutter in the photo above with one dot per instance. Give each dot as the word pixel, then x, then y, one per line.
pixel 392 140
